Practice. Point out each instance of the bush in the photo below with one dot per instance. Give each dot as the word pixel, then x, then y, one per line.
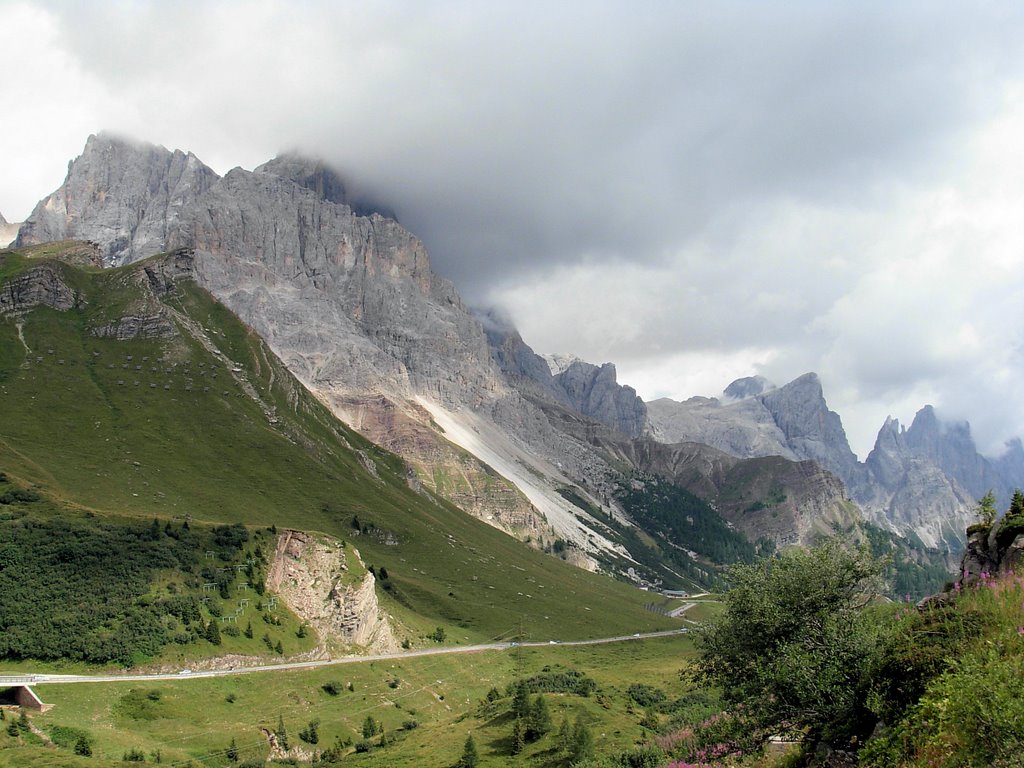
pixel 645 695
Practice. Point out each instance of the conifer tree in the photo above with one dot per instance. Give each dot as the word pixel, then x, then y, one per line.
pixel 564 739
pixel 582 742
pixel 213 632
pixel 470 758
pixel 518 737
pixel 232 753
pixel 82 747
pixel 282 733
pixel 538 722
pixel 521 700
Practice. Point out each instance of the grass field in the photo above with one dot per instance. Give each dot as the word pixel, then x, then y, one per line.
pixel 194 720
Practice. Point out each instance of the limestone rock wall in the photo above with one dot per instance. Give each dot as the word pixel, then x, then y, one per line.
pixel 314 577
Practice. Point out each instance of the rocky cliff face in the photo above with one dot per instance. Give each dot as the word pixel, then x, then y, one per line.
pixel 585 388
pixel 993 550
pixel 922 481
pixel 758 419
pixel 130 198
pixel 324 182
pixel 144 317
pixel 329 588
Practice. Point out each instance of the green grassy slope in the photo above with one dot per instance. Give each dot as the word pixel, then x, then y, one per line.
pixel 197 719
pixel 149 427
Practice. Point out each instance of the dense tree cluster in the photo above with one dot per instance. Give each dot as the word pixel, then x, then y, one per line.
pixel 79 589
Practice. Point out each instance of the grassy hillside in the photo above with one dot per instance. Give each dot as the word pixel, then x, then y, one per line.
pixel 208 426
pixel 426 705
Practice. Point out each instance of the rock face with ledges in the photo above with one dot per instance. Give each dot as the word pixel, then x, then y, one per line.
pixel 349 299
pixel 43 285
pixel 595 392
pixel 587 389
pixel 131 199
pixel 924 480
pixel 313 575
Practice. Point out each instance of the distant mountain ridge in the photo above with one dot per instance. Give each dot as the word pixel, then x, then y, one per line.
pixel 922 481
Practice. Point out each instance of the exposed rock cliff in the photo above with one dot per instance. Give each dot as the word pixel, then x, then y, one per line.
pixel 921 481
pixel 993 550
pixel 588 389
pixel 326 585
pixel 43 285
pixel 129 198
pixel 324 182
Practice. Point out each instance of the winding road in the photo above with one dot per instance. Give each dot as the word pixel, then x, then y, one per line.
pixel 186 674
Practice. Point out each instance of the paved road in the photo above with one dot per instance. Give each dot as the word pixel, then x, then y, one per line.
pixel 44 679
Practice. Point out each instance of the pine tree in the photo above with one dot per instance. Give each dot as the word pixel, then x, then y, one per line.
pixel 213 632
pixel 1016 504
pixel 248 630
pixel 232 753
pixel 470 758
pixel 518 737
pixel 279 648
pixel 82 747
pixel 564 739
pixel 521 700
pixel 282 734
pixel 986 509
pixel 369 727
pixel 538 722
pixel 582 742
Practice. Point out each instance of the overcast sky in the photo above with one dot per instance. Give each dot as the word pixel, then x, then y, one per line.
pixel 695 191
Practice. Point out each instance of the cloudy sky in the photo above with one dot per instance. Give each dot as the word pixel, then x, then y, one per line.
pixel 696 191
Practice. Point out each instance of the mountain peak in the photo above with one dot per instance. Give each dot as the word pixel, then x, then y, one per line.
pixel 318 177
pixel 125 195
pixel 748 386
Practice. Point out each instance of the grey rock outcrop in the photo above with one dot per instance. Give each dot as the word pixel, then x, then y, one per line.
pixel 585 388
pixel 921 481
pixel 324 182
pixel 992 551
pixel 748 386
pixel 130 198
pixel 43 285
pixel 757 419
pixel 595 392
pixel 349 301
pixel 328 587
pixel 813 431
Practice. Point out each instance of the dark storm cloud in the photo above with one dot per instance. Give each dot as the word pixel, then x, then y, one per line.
pixel 514 136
